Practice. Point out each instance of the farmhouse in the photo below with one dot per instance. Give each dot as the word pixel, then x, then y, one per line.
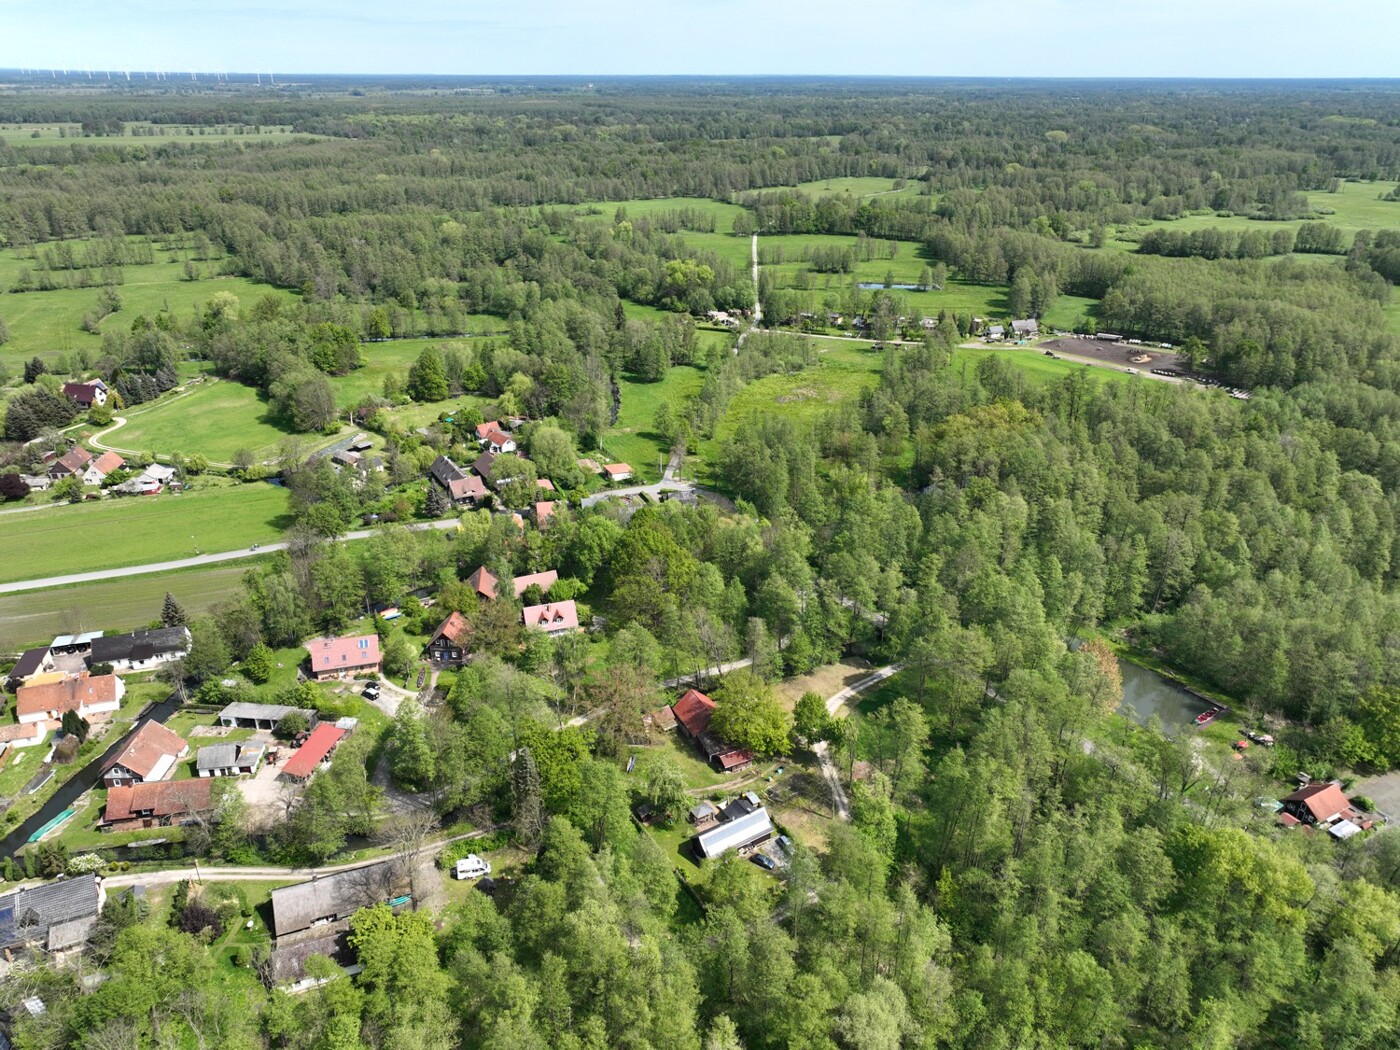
pixel 996 332
pixel 229 760
pixel 617 471
pixel 149 755
pixel 693 712
pixel 337 657
pixel 318 747
pixel 499 441
pixel 85 395
pixel 97 471
pixel 71 464
pixel 1025 329
pixel 553 619
pixel 483 464
pixel 53 916
pixel 261 716
pixel 155 805
pixel 93 697
pixel 149 482
pixel 460 486
pixel 448 645
pixel 141 650
pixel 313 918
pixel 23 734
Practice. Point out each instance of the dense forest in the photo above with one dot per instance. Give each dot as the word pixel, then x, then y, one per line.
pixel 1022 867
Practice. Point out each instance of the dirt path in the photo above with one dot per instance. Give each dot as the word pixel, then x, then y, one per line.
pixel 834 703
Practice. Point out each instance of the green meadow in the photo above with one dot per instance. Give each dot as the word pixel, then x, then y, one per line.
pixel 861 187
pixel 215 418
pixel 631 439
pixel 49 323
pixel 722 243
pixel 33 617
pixel 113 533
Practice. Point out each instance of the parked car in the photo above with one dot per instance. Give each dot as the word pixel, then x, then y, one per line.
pixel 471 867
pixel 764 861
pixel 371 691
pixel 785 844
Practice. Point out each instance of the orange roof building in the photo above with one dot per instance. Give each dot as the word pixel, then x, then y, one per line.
pixel 92 696
pixel 156 804
pixel 151 754
pixel 335 657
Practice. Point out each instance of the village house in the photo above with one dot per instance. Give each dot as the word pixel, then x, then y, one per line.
pixel 24 734
pixel 85 395
pixel 1026 329
pixel 544 485
pixel 150 755
pixel 71 464
pixel 93 697
pixel 149 482
pixel 156 805
pixel 994 333
pixel 553 619
pixel 140 650
pixel 229 760
pixel 498 441
pixel 318 748
pixel 484 582
pixel 53 917
pixel 617 471
pixel 96 472
pixel 448 645
pixel 338 657
pixel 460 486
pixel 240 715
pixel 693 712
pixel 544 510
pixel 483 464
pixel 1321 805
pixel 313 918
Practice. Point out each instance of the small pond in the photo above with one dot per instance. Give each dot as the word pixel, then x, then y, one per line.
pixel 869 285
pixel 1146 693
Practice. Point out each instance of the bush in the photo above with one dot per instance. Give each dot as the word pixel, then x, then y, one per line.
pixel 1363 803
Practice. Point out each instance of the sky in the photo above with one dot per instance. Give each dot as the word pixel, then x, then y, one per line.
pixel 1069 38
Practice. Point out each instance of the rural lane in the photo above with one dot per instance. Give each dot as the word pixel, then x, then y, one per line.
pixel 187 563
pixel 834 703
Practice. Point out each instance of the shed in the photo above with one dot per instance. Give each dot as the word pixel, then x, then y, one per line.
pixel 735 834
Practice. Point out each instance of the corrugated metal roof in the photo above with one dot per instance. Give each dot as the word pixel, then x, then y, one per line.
pixel 735 833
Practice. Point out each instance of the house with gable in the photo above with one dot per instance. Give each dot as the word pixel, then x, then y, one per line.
pixel 96 472
pixel 71 464
pixel 85 395
pixel 150 755
pixel 339 657
pixel 448 645
pixel 553 618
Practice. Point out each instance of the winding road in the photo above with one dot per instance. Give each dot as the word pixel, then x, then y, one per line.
pixel 834 703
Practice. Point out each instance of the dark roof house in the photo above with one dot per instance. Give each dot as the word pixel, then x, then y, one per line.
pixel 54 915
pixel 334 897
pixel 139 650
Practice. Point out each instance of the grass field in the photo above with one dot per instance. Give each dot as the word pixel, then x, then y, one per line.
pixel 113 533
pixel 50 323
pixel 215 419
pixel 140 132
pixel 396 355
pixel 34 617
pixel 722 242
pixel 631 439
pixel 1067 310
pixel 1355 206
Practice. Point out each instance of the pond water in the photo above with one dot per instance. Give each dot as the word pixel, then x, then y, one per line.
pixel 1146 693
pixel 869 285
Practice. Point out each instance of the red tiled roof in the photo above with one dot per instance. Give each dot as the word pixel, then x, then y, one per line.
pixel 483 429
pixel 455 628
pixel 163 798
pixel 559 616
pixel 544 510
pixel 546 580
pixel 318 745
pixel 734 759
pixel 497 437
pixel 1323 801
pixel 343 654
pixel 615 469
pixel 484 582
pixel 694 710
pixel 151 743
pixel 108 462
pixel 66 695
pixel 544 483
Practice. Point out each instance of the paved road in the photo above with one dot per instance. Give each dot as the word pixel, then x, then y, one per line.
pixel 187 563
pixel 757 303
pixel 706 672
pixel 635 490
pixel 834 703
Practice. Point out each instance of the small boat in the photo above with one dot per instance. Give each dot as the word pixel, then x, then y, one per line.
pixel 51 825
pixel 1205 718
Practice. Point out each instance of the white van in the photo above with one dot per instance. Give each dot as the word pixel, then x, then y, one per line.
pixel 471 867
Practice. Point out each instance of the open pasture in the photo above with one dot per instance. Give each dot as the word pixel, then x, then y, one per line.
pixel 113 533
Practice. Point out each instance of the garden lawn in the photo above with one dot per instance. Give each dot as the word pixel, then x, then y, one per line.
pixel 215 418
pixel 113 533
pixel 114 606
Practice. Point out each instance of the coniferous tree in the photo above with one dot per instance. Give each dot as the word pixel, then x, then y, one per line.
pixel 526 815
pixel 172 614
